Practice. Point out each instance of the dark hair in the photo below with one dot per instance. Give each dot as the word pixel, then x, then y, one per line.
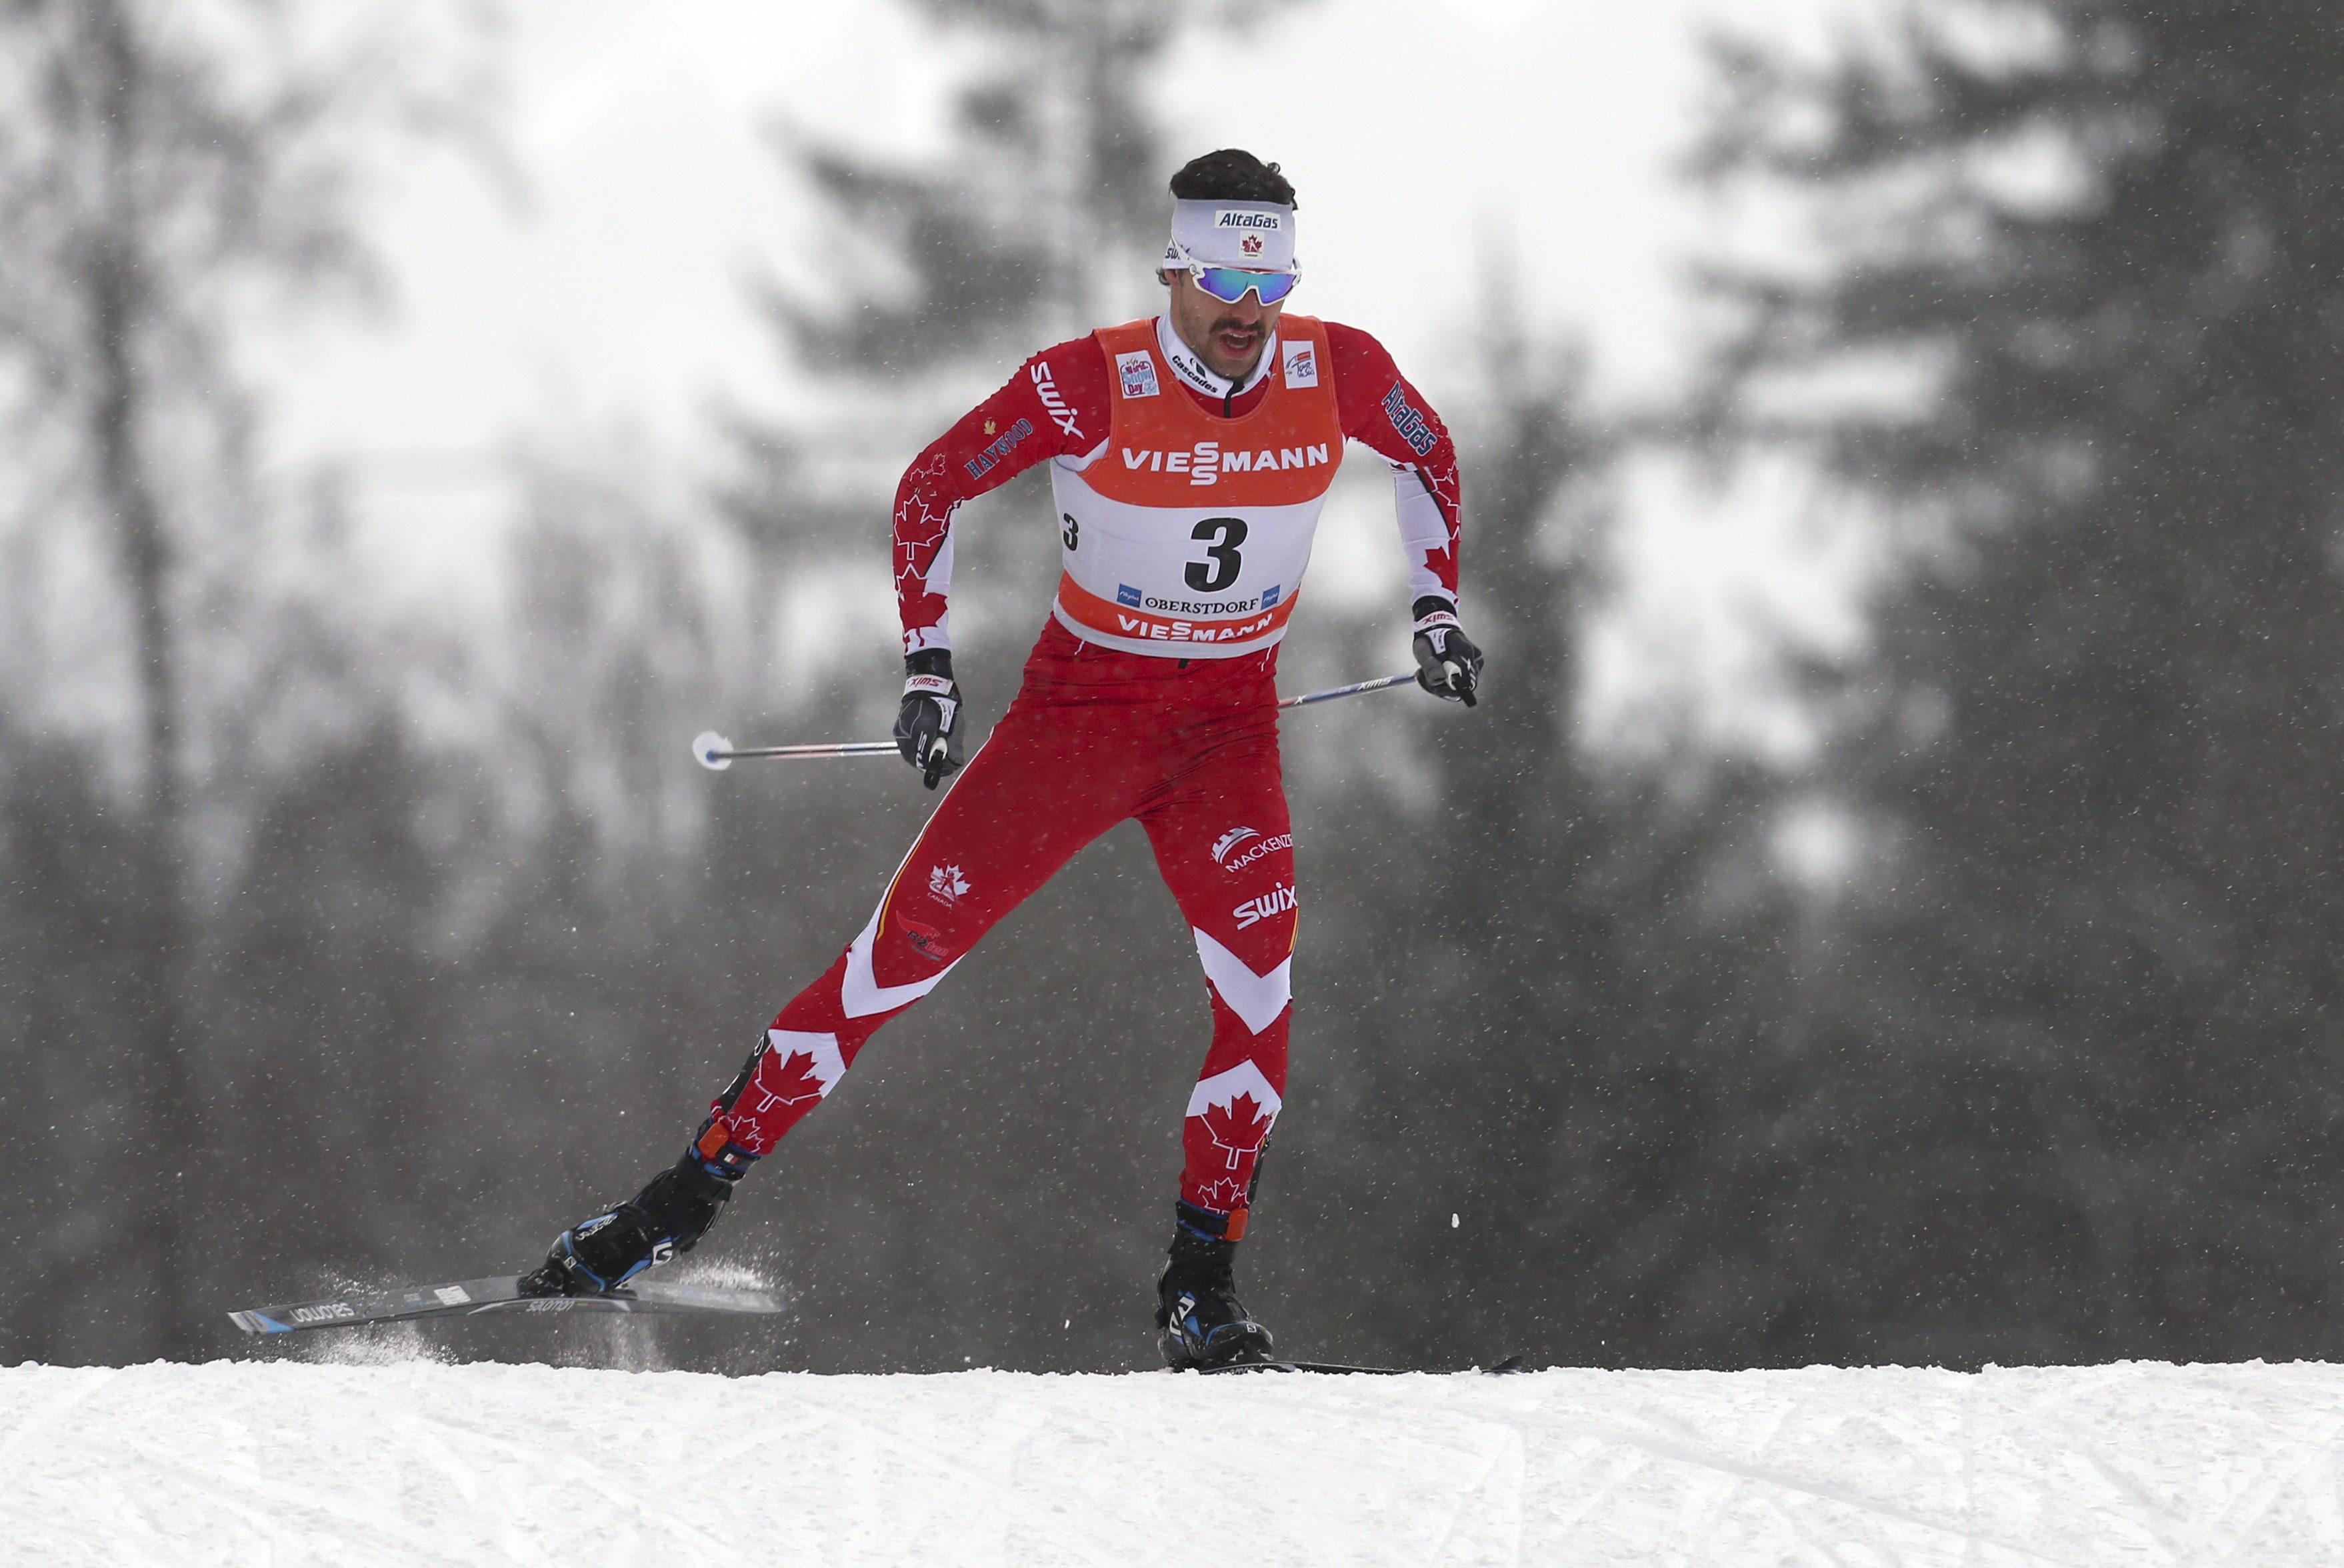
pixel 1231 175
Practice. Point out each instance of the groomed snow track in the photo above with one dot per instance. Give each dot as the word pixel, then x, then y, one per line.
pixel 283 1463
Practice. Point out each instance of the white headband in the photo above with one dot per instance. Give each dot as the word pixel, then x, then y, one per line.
pixel 1254 234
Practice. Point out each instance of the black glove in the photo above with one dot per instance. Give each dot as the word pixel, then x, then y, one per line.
pixel 1447 663
pixel 928 724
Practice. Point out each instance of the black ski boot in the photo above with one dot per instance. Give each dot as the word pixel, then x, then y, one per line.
pixel 1204 1324
pixel 669 1216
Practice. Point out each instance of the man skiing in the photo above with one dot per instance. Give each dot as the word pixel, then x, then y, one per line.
pixel 1189 457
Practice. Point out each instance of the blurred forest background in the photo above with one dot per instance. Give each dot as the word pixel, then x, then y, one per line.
pixel 2001 1027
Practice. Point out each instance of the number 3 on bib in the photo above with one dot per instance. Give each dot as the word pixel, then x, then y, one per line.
pixel 1223 562
pixel 1187 532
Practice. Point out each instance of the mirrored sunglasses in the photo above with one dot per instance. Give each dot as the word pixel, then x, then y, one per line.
pixel 1231 284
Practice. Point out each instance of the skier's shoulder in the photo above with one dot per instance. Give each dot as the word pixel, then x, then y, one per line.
pixel 1061 390
pixel 1073 372
pixel 1355 354
pixel 1075 350
pixel 1375 398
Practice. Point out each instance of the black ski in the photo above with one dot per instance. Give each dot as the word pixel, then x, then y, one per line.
pixel 1509 1365
pixel 471 1298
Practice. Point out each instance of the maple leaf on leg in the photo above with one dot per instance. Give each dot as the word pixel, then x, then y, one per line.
pixel 1238 1127
pixel 1222 1195
pixel 792 1082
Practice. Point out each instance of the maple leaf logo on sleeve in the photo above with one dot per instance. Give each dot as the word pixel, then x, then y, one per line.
pixel 790 1082
pixel 1237 1127
pixel 922 521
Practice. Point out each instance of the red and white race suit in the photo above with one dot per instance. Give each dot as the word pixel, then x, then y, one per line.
pixel 1186 509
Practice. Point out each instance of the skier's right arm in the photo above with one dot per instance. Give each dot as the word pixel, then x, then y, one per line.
pixel 1056 405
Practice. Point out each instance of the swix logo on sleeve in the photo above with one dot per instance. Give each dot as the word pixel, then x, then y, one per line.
pixel 1277 901
pixel 1408 422
pixel 1137 371
pixel 1205 461
pixel 1060 414
pixel 986 461
pixel 1228 218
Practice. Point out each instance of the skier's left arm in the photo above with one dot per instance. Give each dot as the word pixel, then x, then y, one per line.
pixel 1056 405
pixel 1383 412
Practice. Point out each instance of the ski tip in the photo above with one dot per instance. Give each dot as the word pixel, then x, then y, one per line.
pixel 691 1296
pixel 259 1323
pixel 1508 1367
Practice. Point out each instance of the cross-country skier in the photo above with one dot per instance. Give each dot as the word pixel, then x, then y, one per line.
pixel 1190 455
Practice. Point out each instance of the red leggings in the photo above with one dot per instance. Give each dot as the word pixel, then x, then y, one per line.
pixel 1190 749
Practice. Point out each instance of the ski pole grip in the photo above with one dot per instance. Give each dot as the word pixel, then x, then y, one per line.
pixel 1459 680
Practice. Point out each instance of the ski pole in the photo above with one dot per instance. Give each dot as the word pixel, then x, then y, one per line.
pixel 1328 695
pixel 714 753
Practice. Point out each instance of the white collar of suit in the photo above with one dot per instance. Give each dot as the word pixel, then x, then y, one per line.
pixel 1193 372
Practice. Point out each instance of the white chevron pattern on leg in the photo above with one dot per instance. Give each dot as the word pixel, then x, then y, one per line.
pixel 1222 1089
pixel 1255 998
pixel 862 994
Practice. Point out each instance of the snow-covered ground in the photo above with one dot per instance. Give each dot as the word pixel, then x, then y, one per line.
pixel 282 1463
